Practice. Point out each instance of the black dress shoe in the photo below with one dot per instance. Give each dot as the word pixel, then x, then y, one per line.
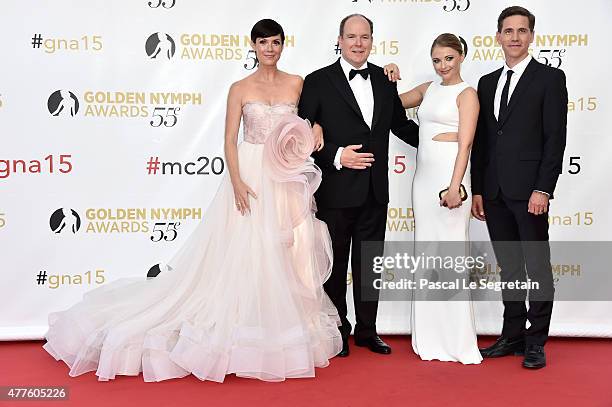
pixel 535 358
pixel 345 348
pixel 375 344
pixel 503 347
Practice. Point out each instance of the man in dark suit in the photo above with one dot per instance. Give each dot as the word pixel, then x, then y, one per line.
pixel 356 106
pixel 516 160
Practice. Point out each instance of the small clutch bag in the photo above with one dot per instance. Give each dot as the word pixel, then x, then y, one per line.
pixel 462 192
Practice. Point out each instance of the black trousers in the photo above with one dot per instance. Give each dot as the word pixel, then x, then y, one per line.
pixel 365 223
pixel 520 242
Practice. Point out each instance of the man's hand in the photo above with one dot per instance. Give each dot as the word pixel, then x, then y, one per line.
pixel 350 158
pixel 538 203
pixel 478 207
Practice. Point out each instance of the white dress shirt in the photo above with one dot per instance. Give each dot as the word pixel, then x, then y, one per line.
pixel 362 90
pixel 518 70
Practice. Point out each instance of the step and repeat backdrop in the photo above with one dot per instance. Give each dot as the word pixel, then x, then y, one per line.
pixel 112 122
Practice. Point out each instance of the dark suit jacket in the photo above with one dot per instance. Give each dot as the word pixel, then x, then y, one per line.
pixel 523 151
pixel 328 100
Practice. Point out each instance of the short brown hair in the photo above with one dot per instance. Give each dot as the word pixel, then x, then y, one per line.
pixel 345 19
pixel 515 11
pixel 447 40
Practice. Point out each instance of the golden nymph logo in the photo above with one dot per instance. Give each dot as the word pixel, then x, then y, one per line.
pixel 400 220
pixel 552 47
pixel 113 104
pixel 136 220
pixel 219 47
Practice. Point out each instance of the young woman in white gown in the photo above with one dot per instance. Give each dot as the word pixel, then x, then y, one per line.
pixel 448 112
pixel 246 292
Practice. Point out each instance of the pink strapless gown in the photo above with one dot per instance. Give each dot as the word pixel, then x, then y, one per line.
pixel 245 295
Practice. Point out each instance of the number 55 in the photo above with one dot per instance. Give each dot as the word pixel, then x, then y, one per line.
pixel 543 57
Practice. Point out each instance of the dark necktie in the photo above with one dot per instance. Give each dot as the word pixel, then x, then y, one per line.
pixel 363 72
pixel 504 96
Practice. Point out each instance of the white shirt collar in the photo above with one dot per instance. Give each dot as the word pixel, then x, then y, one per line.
pixel 346 67
pixel 519 68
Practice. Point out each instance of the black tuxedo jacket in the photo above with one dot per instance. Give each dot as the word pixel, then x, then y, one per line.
pixel 523 150
pixel 328 100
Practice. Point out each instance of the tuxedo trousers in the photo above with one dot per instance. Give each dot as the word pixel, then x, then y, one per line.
pixel 520 243
pixel 359 233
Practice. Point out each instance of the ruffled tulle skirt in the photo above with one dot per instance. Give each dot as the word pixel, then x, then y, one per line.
pixel 244 295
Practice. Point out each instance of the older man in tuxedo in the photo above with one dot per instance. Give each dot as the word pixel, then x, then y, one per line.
pixel 356 106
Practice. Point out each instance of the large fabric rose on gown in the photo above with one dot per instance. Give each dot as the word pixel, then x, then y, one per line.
pixel 287 160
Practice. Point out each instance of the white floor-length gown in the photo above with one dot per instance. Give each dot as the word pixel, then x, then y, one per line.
pixel 245 295
pixel 441 329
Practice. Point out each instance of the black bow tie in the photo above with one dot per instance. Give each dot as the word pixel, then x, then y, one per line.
pixel 363 72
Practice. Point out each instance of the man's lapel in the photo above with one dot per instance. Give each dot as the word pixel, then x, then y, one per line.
pixel 341 83
pixel 522 84
pixel 491 89
pixel 377 89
